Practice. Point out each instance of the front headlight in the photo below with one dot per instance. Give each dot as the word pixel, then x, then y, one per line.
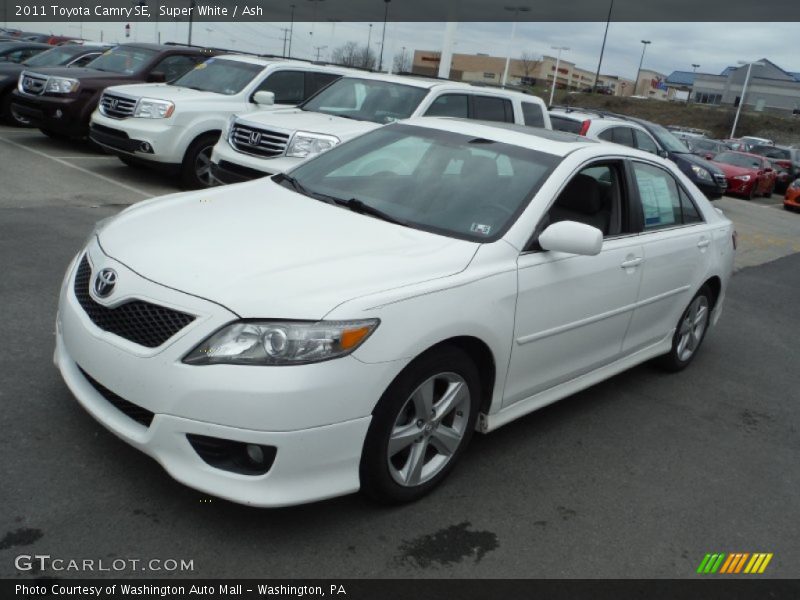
pixel 281 342
pixel 742 177
pixel 153 109
pixel 305 144
pixel 702 173
pixel 61 85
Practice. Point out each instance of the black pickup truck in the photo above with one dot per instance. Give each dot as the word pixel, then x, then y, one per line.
pixel 60 100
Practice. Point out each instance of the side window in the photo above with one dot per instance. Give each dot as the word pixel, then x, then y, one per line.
pixel 689 210
pixel 83 60
pixel 645 142
pixel 623 135
pixel 595 197
pixel 174 66
pixel 532 113
pixel 288 86
pixel 449 105
pixel 316 81
pixel 489 108
pixel 664 204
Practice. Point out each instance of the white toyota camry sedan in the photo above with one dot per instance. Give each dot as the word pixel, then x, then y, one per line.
pixel 349 325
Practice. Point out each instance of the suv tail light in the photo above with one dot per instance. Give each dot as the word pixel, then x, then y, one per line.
pixel 585 127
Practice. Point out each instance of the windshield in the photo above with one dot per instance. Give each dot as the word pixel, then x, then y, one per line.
pixel 49 58
pixel 666 139
pixel 738 160
pixel 123 59
pixel 367 100
pixel 438 181
pixel 219 75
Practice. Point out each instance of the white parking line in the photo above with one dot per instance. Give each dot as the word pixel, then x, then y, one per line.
pixel 77 168
pixel 85 156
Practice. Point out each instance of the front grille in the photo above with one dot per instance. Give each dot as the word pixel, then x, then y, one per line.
pixel 260 142
pixel 135 412
pixel 140 322
pixel 33 84
pixel 117 107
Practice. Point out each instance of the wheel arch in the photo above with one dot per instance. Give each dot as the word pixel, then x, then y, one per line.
pixel 714 283
pixel 217 132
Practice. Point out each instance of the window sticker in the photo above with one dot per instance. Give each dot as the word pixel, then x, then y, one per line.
pixel 656 199
pixel 481 228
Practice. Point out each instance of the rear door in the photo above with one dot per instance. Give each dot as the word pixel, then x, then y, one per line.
pixel 676 242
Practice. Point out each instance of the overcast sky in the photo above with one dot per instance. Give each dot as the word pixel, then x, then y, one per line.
pixel 675 46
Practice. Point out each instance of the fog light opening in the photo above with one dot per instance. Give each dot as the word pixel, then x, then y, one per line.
pixel 59 114
pixel 255 454
pixel 146 148
pixel 237 457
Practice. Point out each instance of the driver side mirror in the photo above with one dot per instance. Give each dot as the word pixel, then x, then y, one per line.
pixel 572 237
pixel 264 98
pixel 663 154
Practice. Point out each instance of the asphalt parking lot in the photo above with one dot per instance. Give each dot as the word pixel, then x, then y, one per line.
pixel 639 476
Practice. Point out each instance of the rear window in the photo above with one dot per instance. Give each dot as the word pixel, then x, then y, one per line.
pixel 487 108
pixel 772 152
pixel 560 123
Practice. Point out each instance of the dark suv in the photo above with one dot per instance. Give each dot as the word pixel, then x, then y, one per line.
pixel 60 100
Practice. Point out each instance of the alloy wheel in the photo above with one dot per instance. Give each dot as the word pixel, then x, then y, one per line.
pixel 692 328
pixel 429 429
pixel 202 167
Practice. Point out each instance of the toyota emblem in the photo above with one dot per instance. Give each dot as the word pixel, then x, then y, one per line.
pixel 104 283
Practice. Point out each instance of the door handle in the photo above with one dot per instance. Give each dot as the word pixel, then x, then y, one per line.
pixel 633 262
pixel 703 243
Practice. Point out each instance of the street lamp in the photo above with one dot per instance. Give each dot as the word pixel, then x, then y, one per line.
pixel 383 35
pixel 367 51
pixel 641 60
pixel 695 67
pixel 291 33
pixel 744 91
pixel 555 75
pixel 516 10
pixel 319 50
pixel 603 47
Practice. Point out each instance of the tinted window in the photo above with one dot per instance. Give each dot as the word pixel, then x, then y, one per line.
pixel 83 60
pixel 123 59
pixel 618 135
pixel 771 152
pixel 487 108
pixel 316 81
pixel 174 66
pixel 645 142
pixel 449 105
pixel 738 159
pixel 663 203
pixel 533 114
pixel 565 124
pixel 288 86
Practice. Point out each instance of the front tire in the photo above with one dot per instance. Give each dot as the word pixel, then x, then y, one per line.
pixel 8 115
pixel 196 167
pixel 689 333
pixel 420 426
pixel 770 191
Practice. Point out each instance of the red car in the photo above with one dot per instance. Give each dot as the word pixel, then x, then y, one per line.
pixel 747 174
pixel 791 201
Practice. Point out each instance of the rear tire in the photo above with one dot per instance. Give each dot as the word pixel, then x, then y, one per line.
pixel 752 194
pixel 196 167
pixel 689 332
pixel 420 427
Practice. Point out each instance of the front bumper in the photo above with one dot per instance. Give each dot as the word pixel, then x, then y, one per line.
pixel 313 415
pixel 230 166
pixel 65 115
pixel 739 187
pixel 791 200
pixel 154 140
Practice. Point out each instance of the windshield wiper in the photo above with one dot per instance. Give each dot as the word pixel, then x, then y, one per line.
pixel 359 207
pixel 301 189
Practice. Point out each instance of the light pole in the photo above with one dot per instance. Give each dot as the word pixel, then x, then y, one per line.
pixel 641 60
pixel 383 35
pixel 603 47
pixel 367 51
pixel 291 33
pixel 516 10
pixel 744 91
pixel 319 49
pixel 555 75
pixel 695 67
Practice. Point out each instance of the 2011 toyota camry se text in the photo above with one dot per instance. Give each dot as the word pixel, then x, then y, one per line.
pixel 349 324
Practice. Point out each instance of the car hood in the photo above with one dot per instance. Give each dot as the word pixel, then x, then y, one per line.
pixel 262 250
pixel 693 159
pixel 733 170
pixel 11 68
pixel 164 91
pixel 82 73
pixel 296 119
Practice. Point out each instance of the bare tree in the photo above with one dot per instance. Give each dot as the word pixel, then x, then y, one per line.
pixel 353 55
pixel 402 62
pixel 528 64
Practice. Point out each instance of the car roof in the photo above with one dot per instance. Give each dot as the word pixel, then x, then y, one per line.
pixel 543 140
pixel 265 61
pixel 416 81
pixel 583 115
